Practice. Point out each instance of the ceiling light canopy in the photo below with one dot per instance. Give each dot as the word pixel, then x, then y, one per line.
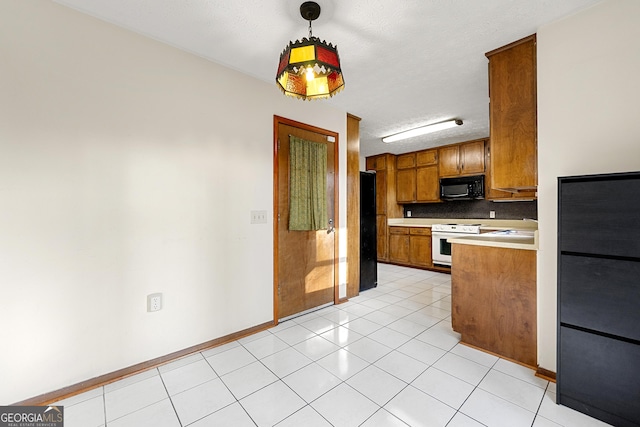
pixel 310 68
pixel 422 130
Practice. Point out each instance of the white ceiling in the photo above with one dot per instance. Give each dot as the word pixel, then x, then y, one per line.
pixel 406 63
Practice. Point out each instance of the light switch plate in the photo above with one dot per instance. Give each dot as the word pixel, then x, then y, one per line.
pixel 258 217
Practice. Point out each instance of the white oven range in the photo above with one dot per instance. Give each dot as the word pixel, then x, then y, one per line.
pixel 440 247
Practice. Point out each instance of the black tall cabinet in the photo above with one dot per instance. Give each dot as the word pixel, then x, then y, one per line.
pixel 368 239
pixel 599 296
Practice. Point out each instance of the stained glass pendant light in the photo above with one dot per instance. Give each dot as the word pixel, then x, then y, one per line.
pixel 310 68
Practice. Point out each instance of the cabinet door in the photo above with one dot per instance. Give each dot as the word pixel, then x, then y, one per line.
pixel 406 161
pixel 448 160
pixel 472 158
pixel 420 250
pixel 492 193
pixel 381 232
pixel 399 244
pixel 427 158
pixel 512 116
pixel 377 162
pixel 406 185
pixel 427 184
pixel 371 163
pixel 381 193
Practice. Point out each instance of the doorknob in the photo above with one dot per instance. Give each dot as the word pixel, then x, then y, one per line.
pixel 330 229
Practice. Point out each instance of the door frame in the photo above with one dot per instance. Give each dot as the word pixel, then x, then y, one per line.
pixel 277 121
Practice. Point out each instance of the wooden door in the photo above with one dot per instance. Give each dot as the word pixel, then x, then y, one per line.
pixel 305 264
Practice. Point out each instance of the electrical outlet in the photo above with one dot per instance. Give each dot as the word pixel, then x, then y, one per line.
pixel 408 214
pixel 492 214
pixel 258 217
pixel 154 302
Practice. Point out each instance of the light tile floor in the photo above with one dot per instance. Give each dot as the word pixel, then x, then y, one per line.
pixel 385 358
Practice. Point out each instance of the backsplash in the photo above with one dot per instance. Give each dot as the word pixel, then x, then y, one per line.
pixel 464 209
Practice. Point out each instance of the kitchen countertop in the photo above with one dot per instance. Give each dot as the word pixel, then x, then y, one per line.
pixel 529 243
pixel 526 241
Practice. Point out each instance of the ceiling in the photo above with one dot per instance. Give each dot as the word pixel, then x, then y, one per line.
pixel 405 63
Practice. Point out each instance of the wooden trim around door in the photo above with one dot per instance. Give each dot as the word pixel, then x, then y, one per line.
pixel 278 120
pixel 353 206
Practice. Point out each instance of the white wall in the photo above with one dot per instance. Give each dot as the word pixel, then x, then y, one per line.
pixel 588 122
pixel 128 167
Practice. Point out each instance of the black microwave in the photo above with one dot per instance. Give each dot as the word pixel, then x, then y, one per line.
pixel 462 188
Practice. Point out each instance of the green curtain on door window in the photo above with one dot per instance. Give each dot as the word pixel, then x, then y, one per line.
pixel 307 185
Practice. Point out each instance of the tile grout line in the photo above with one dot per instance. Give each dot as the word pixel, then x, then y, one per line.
pixel 474 389
pixel 228 389
pixel 104 405
pixel 175 411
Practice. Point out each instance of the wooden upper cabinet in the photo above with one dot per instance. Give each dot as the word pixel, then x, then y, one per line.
pixel 449 160
pixel 472 157
pixel 406 161
pixel 492 193
pixel 427 158
pixel 513 116
pixel 427 184
pixel 377 163
pixel 466 158
pixel 417 177
pixel 406 185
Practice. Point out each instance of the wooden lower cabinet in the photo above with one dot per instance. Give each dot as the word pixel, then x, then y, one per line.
pixel 410 246
pixel 399 244
pixel 493 300
pixel 420 247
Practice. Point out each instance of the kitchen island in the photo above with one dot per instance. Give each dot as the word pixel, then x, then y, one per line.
pixel 493 283
pixel 493 293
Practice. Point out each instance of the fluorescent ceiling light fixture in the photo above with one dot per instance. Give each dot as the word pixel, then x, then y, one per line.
pixel 422 130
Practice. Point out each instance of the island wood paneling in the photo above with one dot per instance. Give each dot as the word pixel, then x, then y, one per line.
pixel 493 298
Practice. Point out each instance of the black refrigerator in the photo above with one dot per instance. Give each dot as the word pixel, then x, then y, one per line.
pixel 368 241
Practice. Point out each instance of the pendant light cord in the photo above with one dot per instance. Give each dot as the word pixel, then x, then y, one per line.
pixel 310 33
